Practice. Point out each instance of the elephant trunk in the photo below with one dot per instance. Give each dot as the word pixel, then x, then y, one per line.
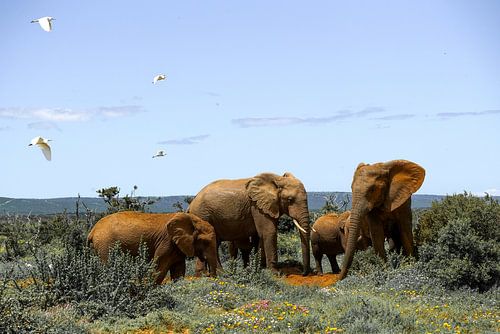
pixel 352 241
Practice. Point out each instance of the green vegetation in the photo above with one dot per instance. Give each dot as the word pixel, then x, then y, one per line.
pixel 50 282
pixel 112 198
pixel 460 241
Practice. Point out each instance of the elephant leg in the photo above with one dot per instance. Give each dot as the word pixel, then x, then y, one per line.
pixel 201 268
pixel 233 250
pixel 162 271
pixel 333 263
pixel 270 242
pixel 318 256
pixel 406 239
pixel 245 255
pixel 378 237
pixel 178 270
pixel 267 230
pixel 262 254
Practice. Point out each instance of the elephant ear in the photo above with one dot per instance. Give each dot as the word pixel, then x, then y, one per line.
pixel 264 191
pixel 406 177
pixel 180 228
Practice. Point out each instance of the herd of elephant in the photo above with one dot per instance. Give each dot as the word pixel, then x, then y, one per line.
pixel 246 212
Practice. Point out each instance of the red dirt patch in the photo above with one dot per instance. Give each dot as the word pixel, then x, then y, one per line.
pixel 311 280
pixel 293 275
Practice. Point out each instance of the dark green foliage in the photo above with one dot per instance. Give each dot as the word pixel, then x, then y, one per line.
pixel 483 214
pixel 123 286
pixel 24 233
pixel 462 257
pixel 366 263
pixel 127 203
pixel 459 241
pixel 285 224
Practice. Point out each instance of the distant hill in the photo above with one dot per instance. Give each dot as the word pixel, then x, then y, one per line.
pixel 24 206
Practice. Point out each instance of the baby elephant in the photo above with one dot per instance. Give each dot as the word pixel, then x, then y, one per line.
pixel 329 236
pixel 170 238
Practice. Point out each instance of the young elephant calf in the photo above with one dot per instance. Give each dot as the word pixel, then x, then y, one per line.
pixel 170 238
pixel 329 236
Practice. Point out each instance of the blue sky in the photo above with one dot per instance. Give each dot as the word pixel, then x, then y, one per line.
pixel 313 88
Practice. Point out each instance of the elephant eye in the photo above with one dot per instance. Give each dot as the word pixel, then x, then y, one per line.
pixel 290 199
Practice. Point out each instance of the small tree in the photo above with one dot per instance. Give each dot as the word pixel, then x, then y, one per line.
pixel 127 203
pixel 179 207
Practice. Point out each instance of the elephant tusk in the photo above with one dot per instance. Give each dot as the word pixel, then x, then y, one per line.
pixel 298 226
pixel 312 229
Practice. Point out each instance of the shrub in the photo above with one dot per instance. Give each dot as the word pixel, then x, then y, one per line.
pixel 253 274
pixel 462 257
pixel 124 286
pixel 289 247
pixel 483 214
pixel 373 315
pixel 459 241
pixel 127 203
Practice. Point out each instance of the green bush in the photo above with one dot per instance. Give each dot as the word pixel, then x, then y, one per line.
pixel 462 257
pixel 483 214
pixel 459 241
pixel 124 286
pixel 289 247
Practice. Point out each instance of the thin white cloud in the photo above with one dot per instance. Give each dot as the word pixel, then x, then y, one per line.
pixel 5 128
pixel 69 115
pixel 446 115
pixel 185 141
pixel 399 117
pixel 283 121
pixel 44 126
pixel 119 111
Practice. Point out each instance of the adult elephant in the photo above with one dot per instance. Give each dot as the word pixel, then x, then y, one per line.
pixel 169 237
pixel 240 208
pixel 381 206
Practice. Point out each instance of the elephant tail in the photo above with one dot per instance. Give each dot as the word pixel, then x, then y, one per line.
pixel 89 238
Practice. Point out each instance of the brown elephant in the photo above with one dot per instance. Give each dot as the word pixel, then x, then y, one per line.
pixel 170 238
pixel 240 208
pixel 329 237
pixel 381 206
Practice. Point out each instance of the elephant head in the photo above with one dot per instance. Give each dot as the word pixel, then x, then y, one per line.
pixel 381 186
pixel 275 196
pixel 194 237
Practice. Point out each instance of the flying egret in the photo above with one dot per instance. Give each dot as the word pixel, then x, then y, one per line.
pixel 160 153
pixel 159 77
pixel 45 22
pixel 43 144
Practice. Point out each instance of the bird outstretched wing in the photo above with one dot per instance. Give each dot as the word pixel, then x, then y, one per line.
pixel 46 151
pixel 45 24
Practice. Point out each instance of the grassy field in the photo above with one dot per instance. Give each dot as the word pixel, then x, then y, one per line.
pixel 50 283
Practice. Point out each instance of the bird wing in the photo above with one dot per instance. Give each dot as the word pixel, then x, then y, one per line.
pixel 155 79
pixel 45 150
pixel 45 24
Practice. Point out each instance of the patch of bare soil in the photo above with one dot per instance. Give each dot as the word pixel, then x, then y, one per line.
pixel 293 275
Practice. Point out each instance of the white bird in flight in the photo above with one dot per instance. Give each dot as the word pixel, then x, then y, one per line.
pixel 160 153
pixel 159 77
pixel 44 22
pixel 43 144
